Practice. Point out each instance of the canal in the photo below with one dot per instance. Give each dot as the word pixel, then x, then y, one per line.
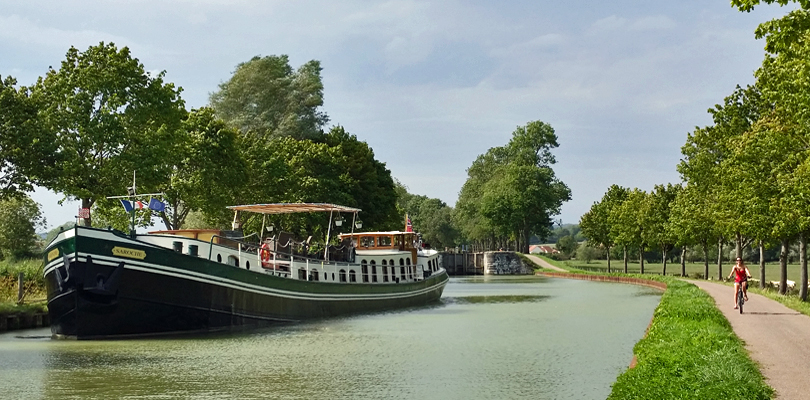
pixel 489 338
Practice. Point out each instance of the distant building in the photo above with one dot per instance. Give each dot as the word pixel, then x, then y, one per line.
pixel 540 249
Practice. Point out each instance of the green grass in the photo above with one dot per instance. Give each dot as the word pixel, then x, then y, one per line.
pixel 692 269
pixel 690 352
pixel 33 286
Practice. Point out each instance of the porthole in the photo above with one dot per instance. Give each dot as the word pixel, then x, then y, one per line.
pixel 219 258
pixel 247 264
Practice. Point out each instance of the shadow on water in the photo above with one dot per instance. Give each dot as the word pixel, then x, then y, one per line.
pixel 495 299
pixel 506 279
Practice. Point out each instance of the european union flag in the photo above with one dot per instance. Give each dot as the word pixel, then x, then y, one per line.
pixel 156 205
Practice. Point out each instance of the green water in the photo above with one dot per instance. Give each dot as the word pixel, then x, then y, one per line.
pixel 489 338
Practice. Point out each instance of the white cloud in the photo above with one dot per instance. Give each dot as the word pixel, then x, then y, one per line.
pixel 21 30
pixel 610 23
pixel 658 22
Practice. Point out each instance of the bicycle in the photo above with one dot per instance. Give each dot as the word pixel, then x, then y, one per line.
pixel 740 298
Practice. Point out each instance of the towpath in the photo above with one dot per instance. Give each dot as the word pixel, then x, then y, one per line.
pixel 543 263
pixel 777 337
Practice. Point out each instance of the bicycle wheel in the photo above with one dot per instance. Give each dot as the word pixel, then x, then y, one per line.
pixel 740 300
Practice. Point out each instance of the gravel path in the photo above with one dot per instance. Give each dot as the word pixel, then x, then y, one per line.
pixel 777 337
pixel 543 263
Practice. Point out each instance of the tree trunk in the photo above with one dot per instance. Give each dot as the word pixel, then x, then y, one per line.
pixel 608 257
pixel 641 258
pixel 683 261
pixel 664 254
pixel 738 245
pixel 783 258
pixel 720 260
pixel 705 259
pixel 625 259
pixel 761 265
pixel 803 263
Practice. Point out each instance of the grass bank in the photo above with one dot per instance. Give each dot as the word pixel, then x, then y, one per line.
pixel 33 287
pixel 689 352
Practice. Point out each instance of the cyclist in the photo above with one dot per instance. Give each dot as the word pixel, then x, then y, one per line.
pixel 741 275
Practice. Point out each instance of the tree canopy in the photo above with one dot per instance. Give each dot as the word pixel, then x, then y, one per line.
pixel 265 97
pixel 106 117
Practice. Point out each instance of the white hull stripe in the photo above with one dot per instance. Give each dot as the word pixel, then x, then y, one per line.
pixel 233 284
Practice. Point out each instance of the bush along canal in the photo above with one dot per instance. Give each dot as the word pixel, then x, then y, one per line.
pixel 22 295
pixel 690 350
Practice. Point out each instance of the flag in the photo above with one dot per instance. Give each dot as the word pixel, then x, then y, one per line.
pixel 127 205
pixel 408 226
pixel 156 205
pixel 139 204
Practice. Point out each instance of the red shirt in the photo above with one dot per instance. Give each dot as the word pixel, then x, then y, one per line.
pixel 739 274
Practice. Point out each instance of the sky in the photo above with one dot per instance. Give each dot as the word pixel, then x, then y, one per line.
pixel 430 85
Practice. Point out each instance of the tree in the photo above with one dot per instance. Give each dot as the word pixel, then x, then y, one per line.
pixel 208 168
pixel 106 117
pixel 369 181
pixel 24 147
pixel 595 223
pixel 567 245
pixel 660 209
pixel 512 191
pixel 432 218
pixel 691 221
pixel 20 218
pixel 266 98
pixel 628 224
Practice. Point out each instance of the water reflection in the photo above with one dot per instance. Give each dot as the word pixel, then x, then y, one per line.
pixel 488 339
pixel 496 299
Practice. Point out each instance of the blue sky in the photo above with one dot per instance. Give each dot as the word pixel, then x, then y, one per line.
pixel 430 85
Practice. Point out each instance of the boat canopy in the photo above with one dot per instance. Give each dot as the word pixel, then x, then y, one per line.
pixel 289 208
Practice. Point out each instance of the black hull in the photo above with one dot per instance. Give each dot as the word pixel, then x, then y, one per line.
pixel 103 297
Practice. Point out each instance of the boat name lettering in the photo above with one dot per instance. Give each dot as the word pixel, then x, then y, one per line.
pixel 130 253
pixel 53 254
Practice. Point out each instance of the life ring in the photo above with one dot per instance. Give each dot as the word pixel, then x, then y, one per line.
pixel 264 254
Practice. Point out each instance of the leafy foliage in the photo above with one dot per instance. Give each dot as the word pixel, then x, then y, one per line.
pixel 266 99
pixel 106 117
pixel 512 191
pixel 20 218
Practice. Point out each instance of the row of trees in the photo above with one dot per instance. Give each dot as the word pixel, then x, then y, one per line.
pixel 746 177
pixel 82 129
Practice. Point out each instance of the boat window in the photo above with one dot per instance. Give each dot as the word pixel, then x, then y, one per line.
pixel 302 274
pixel 373 271
pixel 233 261
pixel 247 264
pixel 391 262
pixel 219 258
pixel 367 241
pixel 398 240
pixel 408 261
pixel 384 240
pixel 352 276
pixel 333 276
pixel 314 274
pixel 384 262
pixel 401 262
pixel 385 272
pixel 402 273
pixel 364 267
pixel 342 275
